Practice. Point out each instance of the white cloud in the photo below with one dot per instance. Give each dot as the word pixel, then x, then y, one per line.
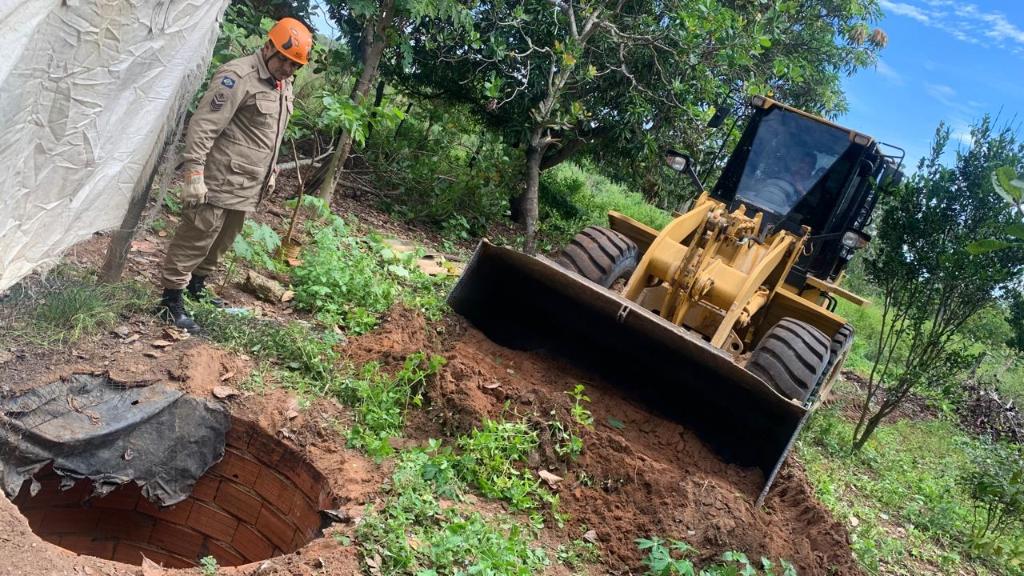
pixel 962 20
pixel 944 94
pixel 905 10
pixel 888 72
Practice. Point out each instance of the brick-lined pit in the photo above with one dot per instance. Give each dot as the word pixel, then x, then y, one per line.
pixel 260 501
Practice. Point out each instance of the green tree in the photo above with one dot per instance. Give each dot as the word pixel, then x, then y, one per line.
pixel 628 76
pixel 930 283
pixel 1015 318
pixel 373 27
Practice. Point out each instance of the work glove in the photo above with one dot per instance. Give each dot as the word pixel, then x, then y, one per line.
pixel 193 192
pixel 272 182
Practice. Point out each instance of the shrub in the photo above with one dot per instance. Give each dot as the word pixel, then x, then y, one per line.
pixel 996 488
pixel 351 280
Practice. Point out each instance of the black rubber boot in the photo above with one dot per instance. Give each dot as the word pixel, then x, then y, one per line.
pixel 197 291
pixel 172 309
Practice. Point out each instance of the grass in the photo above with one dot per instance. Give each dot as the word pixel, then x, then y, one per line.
pixel 900 497
pixel 573 197
pixel 67 305
pixel 428 526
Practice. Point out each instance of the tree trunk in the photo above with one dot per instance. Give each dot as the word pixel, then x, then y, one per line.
pixel 869 429
pixel 372 48
pixel 377 100
pixel 530 207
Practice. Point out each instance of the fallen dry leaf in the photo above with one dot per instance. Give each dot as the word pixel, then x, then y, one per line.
pixel 227 376
pixel 548 477
pixel 492 385
pixel 223 392
pixel 131 339
pixel 144 246
pixel 590 536
pixel 161 343
pixel 292 414
pixel 152 354
pixel 176 333
pixel 288 296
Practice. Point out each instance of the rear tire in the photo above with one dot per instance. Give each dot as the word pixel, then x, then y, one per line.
pixel 793 357
pixel 599 255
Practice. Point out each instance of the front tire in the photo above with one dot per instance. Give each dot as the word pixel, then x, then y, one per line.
pixel 599 255
pixel 793 357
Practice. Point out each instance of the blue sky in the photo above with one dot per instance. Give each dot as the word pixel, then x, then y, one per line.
pixel 947 60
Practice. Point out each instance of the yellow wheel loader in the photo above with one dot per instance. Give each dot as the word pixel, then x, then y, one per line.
pixel 726 321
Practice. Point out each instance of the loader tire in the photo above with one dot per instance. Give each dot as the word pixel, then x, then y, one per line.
pixel 793 357
pixel 599 255
pixel 841 343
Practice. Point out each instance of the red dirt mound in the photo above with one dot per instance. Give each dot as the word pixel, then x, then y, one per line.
pixel 640 475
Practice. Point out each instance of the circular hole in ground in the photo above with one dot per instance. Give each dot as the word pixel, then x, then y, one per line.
pixel 262 500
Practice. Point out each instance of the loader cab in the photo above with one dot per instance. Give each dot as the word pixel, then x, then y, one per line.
pixel 800 170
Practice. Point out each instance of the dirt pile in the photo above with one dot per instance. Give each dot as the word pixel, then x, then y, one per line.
pixel 640 475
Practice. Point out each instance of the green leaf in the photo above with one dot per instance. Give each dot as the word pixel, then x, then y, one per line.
pixel 1008 185
pixel 616 423
pixel 1016 230
pixel 987 245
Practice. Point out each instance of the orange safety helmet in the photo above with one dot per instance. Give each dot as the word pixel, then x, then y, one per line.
pixel 292 39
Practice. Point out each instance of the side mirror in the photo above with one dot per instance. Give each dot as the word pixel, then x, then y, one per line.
pixel 678 161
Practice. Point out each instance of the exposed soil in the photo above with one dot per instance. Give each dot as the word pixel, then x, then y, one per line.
pixel 639 475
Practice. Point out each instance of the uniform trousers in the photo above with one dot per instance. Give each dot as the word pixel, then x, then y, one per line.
pixel 205 234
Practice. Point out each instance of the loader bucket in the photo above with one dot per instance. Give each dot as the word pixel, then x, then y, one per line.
pixel 530 303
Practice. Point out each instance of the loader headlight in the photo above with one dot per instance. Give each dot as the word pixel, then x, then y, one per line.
pixel 855 239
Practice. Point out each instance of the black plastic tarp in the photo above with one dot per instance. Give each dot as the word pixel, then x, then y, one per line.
pixel 89 427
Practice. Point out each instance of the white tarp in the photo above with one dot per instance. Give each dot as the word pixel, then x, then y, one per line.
pixel 87 90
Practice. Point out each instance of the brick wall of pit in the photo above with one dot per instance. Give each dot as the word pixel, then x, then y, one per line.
pixel 260 501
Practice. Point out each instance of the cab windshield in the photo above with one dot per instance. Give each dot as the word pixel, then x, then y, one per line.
pixel 788 158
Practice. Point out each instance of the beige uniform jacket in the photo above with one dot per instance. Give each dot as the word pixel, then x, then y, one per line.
pixel 235 133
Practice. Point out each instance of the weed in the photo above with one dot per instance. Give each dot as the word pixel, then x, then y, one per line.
pixel 171 202
pixel 209 565
pixel 308 359
pixel 574 197
pixel 905 489
pixel 256 245
pixel 490 460
pixel 566 436
pixel 351 280
pixel 995 484
pixel 158 225
pixel 666 558
pixel 671 559
pixel 577 553
pixel 381 401
pixel 416 532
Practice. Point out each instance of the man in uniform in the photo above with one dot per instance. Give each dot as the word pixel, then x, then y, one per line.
pixel 230 152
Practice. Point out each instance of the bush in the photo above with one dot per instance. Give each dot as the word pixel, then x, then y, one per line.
pixel 352 280
pixel 996 488
pixel 444 169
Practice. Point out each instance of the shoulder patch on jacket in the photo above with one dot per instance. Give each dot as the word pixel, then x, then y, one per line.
pixel 228 82
pixel 217 102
